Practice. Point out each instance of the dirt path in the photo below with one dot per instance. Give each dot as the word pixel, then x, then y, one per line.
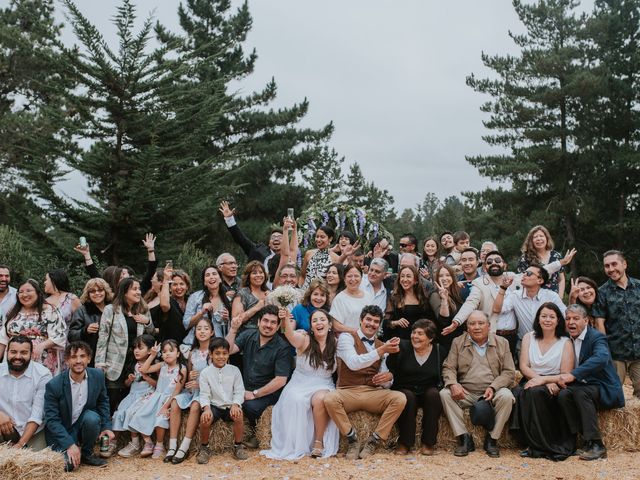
pixel 619 466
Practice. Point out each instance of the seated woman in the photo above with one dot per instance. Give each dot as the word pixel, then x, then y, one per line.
pixel 545 352
pixel 300 424
pixel 314 298
pixel 417 372
pixel 584 291
pixel 346 307
pixel 407 304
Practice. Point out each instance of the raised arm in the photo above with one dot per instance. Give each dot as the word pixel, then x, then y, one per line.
pixel 149 243
pixel 297 338
pixel 238 236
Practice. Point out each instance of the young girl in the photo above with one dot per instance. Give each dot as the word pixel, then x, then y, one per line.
pixel 189 398
pixel 142 388
pixel 154 414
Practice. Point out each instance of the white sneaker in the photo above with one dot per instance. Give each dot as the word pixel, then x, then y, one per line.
pixel 130 450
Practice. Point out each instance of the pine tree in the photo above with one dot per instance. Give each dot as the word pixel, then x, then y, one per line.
pixel 358 191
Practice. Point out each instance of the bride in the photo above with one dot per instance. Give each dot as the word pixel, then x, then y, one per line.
pixel 300 424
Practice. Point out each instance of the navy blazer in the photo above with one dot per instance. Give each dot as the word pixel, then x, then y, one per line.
pixel 596 368
pixel 57 407
pixel 253 251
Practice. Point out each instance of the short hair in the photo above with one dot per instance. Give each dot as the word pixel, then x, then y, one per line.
pixel 358 253
pixel 608 253
pixel 471 249
pixel 415 258
pixel 428 326
pixel 480 313
pixel 5 267
pixel 59 279
pixel 20 339
pixel 184 276
pixel 221 257
pixel 251 267
pixel 446 232
pixel 289 265
pixel 315 284
pixel 460 235
pixel 489 242
pixel 73 347
pixel 351 266
pixel 560 331
pixel 494 252
pixel 268 310
pixel 577 308
pixel 544 275
pixel 218 342
pixel 413 240
pixel 373 310
pixel 380 262
pixel 328 231
pixel 348 234
pixel 375 241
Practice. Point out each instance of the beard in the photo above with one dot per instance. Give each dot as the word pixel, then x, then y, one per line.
pixel 18 366
pixel 495 271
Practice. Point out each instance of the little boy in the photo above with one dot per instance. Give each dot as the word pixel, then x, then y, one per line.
pixel 461 241
pixel 221 397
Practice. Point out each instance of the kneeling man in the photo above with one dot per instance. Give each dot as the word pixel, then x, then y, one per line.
pixel 363 383
pixel 76 409
pixel 479 365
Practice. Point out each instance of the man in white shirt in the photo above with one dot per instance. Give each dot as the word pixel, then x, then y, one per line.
pixel 7 292
pixel 22 386
pixel 372 283
pixel 363 383
pixel 526 302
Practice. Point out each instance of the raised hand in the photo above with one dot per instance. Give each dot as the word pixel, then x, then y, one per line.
pixel 568 257
pixel 155 349
pixel 442 292
pixel 506 280
pixel 149 241
pixel 573 293
pixel 225 210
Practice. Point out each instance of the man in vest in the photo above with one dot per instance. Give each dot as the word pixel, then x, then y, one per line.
pixel 363 383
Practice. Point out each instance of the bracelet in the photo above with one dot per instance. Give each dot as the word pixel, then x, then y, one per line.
pixel 150 251
pixel 502 287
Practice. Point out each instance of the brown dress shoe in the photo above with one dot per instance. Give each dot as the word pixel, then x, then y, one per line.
pixel 427 450
pixel 401 450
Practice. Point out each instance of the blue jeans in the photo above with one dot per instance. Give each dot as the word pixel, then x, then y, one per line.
pixel 85 431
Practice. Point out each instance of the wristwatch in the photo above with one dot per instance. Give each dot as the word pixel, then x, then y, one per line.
pixel 255 393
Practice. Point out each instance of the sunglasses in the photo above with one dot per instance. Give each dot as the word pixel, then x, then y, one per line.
pixel 97 290
pixel 403 245
pixel 529 273
pixel 491 261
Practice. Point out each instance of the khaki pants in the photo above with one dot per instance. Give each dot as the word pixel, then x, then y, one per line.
pixel 631 368
pixel 503 401
pixel 36 443
pixel 344 400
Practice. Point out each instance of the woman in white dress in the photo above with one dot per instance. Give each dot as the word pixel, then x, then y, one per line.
pixel 300 424
pixel 348 304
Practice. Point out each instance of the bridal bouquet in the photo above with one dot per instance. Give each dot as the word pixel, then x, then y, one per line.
pixel 283 296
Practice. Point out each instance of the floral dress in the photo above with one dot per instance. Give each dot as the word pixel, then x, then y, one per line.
pixel 554 279
pixel 50 326
pixel 66 308
pixel 318 265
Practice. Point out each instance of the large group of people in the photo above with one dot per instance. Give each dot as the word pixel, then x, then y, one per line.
pixel 437 326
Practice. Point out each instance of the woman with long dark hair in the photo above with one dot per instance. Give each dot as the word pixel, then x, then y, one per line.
pixel 56 286
pixel 584 292
pixel 430 260
pixel 407 304
pixel 173 298
pixel 335 280
pixel 35 318
pixel 292 434
pixel 211 302
pixel 317 260
pixel 251 297
pixel 85 323
pixel 122 322
pixel 545 353
pixel 445 302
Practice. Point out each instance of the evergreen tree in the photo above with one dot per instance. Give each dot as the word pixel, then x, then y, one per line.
pixel 324 177
pixel 358 191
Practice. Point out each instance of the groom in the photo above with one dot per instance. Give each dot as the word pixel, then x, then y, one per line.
pixel 363 383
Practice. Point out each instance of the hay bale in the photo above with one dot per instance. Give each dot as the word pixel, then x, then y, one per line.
pixel 26 464
pixel 621 427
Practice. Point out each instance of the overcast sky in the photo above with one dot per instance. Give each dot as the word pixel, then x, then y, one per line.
pixel 389 74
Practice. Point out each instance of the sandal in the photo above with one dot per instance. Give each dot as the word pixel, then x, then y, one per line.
pixel 169 456
pixel 317 451
pixel 179 459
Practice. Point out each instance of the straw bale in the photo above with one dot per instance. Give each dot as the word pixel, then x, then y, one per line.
pixel 26 464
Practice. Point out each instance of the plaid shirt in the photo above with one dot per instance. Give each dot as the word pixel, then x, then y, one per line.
pixel 620 309
pixel 113 341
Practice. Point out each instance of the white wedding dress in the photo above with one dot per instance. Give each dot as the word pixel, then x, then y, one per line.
pixel 292 419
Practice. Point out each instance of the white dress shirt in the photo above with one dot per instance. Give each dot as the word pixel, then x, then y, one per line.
pixel 79 394
pixel 347 353
pixel 577 345
pixel 379 297
pixel 221 387
pixel 22 398
pixel 525 307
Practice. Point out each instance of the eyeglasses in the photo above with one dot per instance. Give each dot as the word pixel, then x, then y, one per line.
pixel 229 263
pixel 529 273
pixel 403 245
pixel 97 290
pixel 491 261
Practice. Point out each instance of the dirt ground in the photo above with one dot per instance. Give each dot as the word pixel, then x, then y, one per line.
pixel 619 466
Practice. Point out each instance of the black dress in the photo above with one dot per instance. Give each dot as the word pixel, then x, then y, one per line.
pixel 412 313
pixel 169 323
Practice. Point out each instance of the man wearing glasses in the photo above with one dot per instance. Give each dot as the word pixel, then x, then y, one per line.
pixel 228 267
pixel 526 302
